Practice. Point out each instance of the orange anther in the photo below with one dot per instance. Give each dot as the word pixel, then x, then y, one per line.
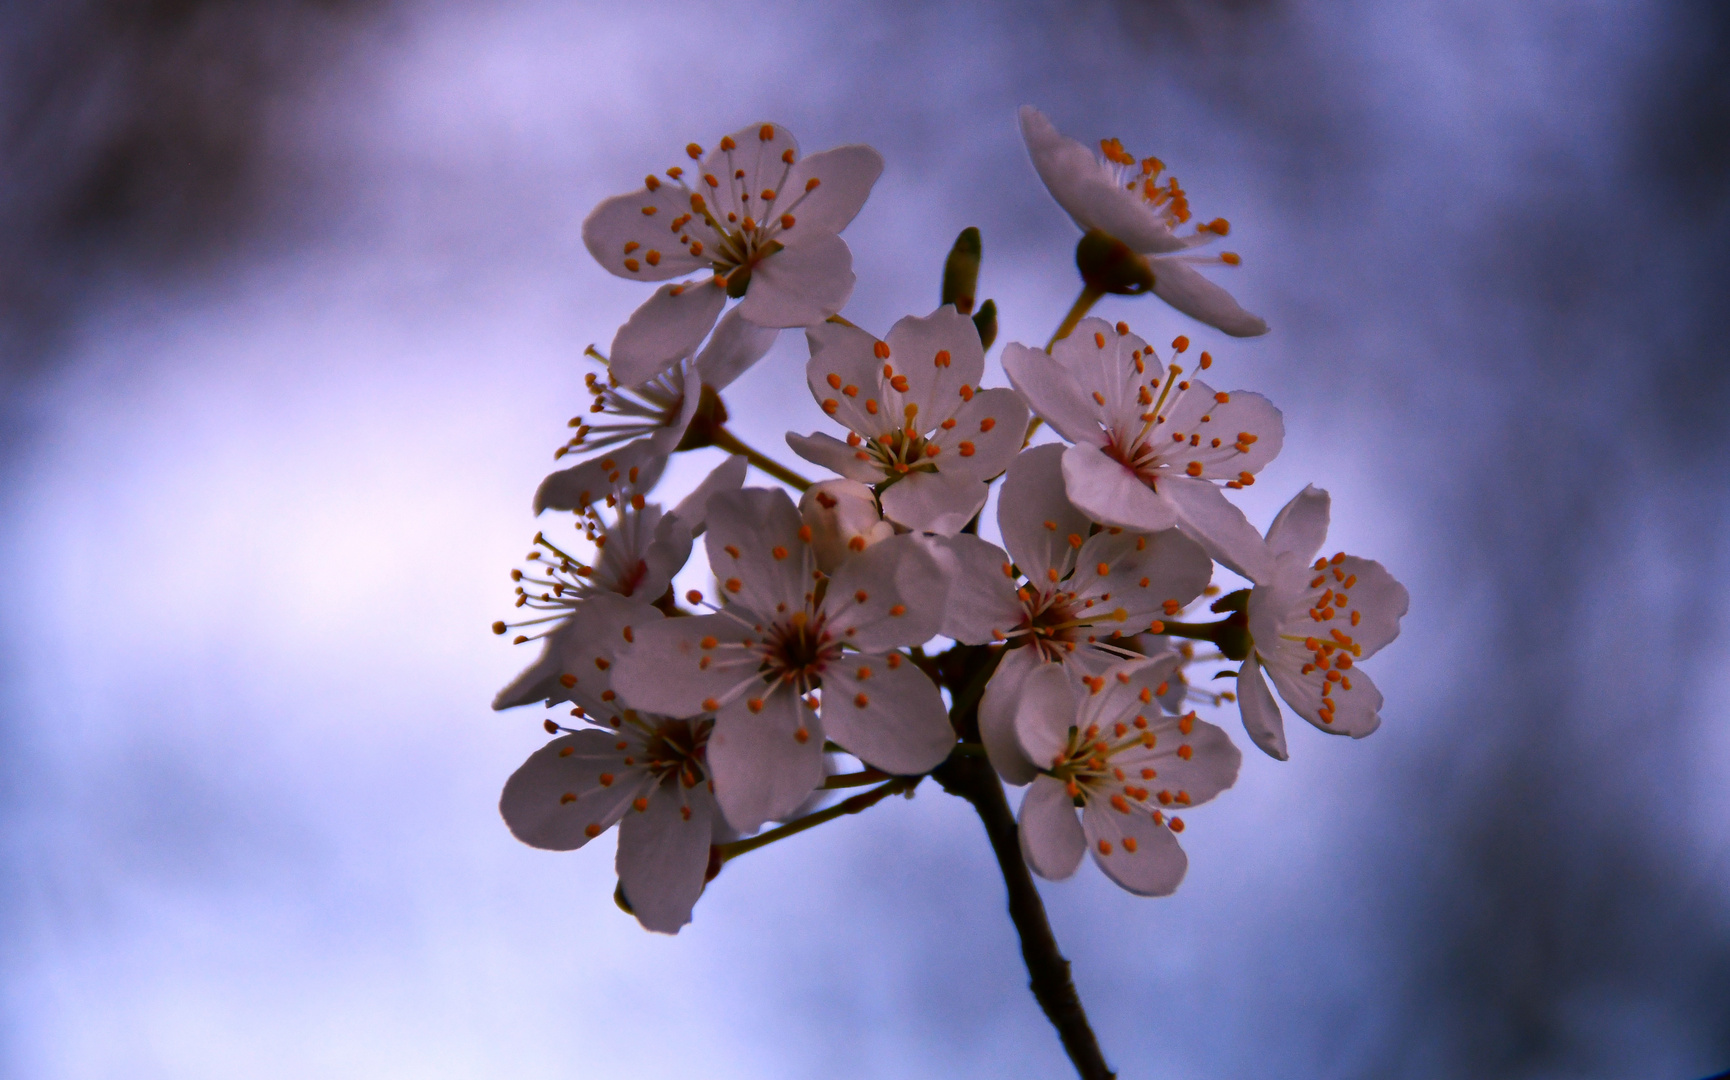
pixel 965 448
pixel 778 552
pixel 1180 342
pixel 734 584
pixel 898 610
pixel 754 704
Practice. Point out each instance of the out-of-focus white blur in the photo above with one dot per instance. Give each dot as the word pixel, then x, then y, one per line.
pixel 259 512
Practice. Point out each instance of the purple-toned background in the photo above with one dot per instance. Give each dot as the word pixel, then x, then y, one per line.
pixel 292 297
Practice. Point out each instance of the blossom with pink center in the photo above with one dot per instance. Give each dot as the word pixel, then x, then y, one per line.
pixel 793 655
pixel 755 219
pixel 1127 200
pixel 1310 625
pixel 920 428
pixel 1102 744
pixel 1065 591
pixel 1153 446
pixel 657 408
pixel 644 772
pixel 635 555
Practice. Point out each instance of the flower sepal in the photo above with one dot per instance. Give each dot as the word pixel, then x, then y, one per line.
pixel 1108 265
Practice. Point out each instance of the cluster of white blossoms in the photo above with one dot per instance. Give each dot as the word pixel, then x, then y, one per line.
pixel 1062 655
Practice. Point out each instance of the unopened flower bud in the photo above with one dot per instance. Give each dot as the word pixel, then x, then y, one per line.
pixel 844 520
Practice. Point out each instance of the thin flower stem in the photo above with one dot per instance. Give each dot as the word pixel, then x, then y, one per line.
pixel 1083 304
pixel 854 779
pixel 968 773
pixel 727 441
pixel 1048 972
pixel 863 801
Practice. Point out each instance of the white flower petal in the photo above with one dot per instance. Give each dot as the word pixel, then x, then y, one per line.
pixel 736 344
pixel 621 236
pixel 845 176
pixel 667 328
pixel 836 456
pixel 844 374
pixel 693 509
pixel 1155 866
pixel 1087 193
pixel 1051 837
pixel 644 550
pixel 1142 571
pixel 1301 525
pixel 560 801
pixel 1377 597
pixel 1044 713
pixel 889 595
pixel 1108 367
pixel 1110 492
pixel 666 438
pixel 664 854
pixel 1053 394
pixel 1231 433
pixel 997 708
pixel 580 650
pixel 755 551
pixel 804 283
pixel 663 669
pixel 1261 718
pixel 982 604
pixel 1035 515
pixel 940 502
pixel 884 711
pixel 937 354
pixel 762 766
pixel 763 165
pixel 633 468
pixel 985 435
pixel 1183 287
pixel 1218 525
pixel 1353 710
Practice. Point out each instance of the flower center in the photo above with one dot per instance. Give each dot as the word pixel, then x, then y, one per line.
pixel 797 651
pixel 903 451
pixel 675 751
pixel 1054 622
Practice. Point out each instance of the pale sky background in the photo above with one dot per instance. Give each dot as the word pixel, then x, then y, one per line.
pixel 286 356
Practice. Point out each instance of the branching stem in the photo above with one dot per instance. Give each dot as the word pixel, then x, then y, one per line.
pixel 862 801
pixel 727 441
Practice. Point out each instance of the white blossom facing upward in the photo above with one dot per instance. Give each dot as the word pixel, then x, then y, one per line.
pixel 1126 199
pixel 1103 744
pixel 1152 446
pixel 786 630
pixel 754 219
pixel 643 772
pixel 1311 625
pixel 918 422
pixel 1062 594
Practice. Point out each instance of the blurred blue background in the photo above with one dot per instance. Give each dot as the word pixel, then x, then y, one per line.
pixel 292 297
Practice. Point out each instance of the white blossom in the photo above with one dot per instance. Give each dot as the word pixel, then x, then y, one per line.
pixel 754 219
pixel 1126 199
pixel 844 520
pixel 1310 626
pixel 636 554
pixel 919 425
pixel 1061 595
pixel 1103 745
pixel 794 655
pixel 658 408
pixel 1152 445
pixel 644 772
